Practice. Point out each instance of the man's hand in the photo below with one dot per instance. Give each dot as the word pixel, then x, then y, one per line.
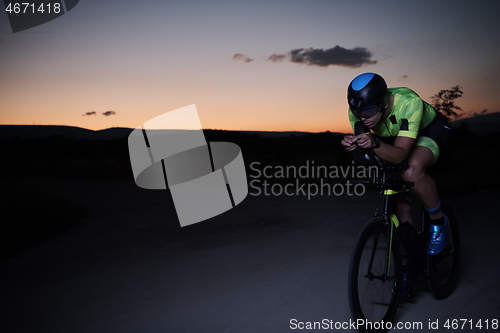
pixel 365 140
pixel 349 142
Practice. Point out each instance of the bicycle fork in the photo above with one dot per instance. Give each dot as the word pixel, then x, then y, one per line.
pixel 386 272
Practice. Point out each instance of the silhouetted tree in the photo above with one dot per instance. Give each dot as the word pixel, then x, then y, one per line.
pixel 444 101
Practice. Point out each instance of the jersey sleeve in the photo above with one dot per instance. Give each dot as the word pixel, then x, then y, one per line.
pixel 411 118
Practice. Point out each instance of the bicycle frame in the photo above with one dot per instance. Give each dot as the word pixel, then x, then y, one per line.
pixel 376 265
pixel 391 187
pixel 395 228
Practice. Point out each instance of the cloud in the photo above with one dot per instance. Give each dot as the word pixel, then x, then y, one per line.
pixel 242 57
pixel 108 113
pixel 90 113
pixel 336 56
pixel 277 57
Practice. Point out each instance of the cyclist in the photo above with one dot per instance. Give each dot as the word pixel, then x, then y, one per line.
pixel 399 125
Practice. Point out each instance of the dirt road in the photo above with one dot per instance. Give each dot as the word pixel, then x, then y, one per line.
pixel 264 266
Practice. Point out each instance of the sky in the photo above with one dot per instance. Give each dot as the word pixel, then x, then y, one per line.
pixel 246 65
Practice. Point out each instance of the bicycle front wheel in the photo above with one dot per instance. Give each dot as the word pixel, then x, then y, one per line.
pixel 375 277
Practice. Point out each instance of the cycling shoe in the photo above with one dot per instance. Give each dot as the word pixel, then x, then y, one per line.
pixel 437 238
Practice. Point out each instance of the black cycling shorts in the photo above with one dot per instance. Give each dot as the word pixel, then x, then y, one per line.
pixel 435 136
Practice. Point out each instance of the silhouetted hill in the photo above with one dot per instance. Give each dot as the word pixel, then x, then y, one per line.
pixel 8 132
pixel 482 124
pixel 270 134
pixel 71 152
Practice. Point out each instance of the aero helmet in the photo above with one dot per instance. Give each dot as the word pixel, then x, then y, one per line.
pixel 368 89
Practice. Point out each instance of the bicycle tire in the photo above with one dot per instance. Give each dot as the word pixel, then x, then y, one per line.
pixel 443 268
pixel 374 300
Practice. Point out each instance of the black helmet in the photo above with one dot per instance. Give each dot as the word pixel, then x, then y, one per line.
pixel 365 90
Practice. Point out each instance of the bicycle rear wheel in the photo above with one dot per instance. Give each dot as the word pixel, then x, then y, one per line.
pixel 375 277
pixel 443 267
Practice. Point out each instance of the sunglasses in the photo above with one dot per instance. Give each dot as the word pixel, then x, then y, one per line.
pixel 368 111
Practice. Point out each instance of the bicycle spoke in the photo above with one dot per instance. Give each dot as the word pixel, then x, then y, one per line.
pixel 375 242
pixel 375 281
pixel 441 256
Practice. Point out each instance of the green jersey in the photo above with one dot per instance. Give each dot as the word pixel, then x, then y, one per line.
pixel 409 114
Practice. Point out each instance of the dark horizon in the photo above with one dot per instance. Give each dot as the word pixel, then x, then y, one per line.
pixel 481 124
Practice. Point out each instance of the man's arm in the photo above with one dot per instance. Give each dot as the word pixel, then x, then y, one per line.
pixel 391 153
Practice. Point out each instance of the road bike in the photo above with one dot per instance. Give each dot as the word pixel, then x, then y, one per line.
pixel 376 268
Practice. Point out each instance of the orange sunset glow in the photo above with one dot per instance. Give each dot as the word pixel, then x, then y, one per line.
pixel 236 63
